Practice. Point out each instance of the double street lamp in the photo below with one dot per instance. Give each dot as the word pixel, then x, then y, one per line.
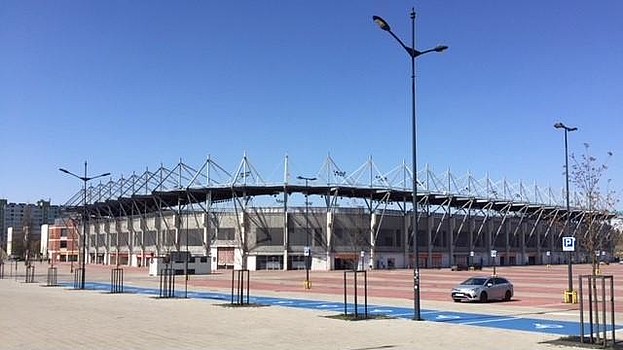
pixel 307 251
pixel 413 53
pixel 84 179
pixel 569 266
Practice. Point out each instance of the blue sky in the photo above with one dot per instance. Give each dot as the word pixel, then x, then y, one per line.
pixel 129 85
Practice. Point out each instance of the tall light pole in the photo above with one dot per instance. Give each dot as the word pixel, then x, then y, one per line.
pixel 569 265
pixel 84 179
pixel 307 251
pixel 413 53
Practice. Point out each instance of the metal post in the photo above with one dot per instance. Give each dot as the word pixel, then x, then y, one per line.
pixel 568 219
pixel 307 253
pixel 355 291
pixel 345 298
pixel 365 290
pixel 569 264
pixel 84 179
pixel 307 235
pixel 84 227
pixel 413 53
pixel 612 323
pixel 187 257
pixel 581 309
pixel 416 270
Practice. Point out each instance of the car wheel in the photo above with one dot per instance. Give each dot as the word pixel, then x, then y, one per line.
pixel 508 295
pixel 484 297
pixel 457 300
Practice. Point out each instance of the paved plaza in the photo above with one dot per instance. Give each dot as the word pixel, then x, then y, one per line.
pixel 33 316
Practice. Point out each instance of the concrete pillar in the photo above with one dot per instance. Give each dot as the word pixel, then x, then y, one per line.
pixel 206 234
pixel 244 253
pixel 522 243
pixel 429 239
pixel 374 221
pixel 178 229
pixel 330 218
pixel 471 224
pixel 286 241
pixel 160 241
pixel 489 240
pixel 508 243
pixel 407 247
pixel 537 232
pixel 107 243
pixel 450 238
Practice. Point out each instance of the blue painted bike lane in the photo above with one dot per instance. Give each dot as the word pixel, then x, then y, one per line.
pixel 508 322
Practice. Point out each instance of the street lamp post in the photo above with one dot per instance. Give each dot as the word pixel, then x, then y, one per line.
pixel 413 53
pixel 569 265
pixel 307 252
pixel 84 179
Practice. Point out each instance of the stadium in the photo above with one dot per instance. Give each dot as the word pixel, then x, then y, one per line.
pixel 234 219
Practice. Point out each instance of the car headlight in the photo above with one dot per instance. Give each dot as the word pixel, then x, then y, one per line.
pixel 471 292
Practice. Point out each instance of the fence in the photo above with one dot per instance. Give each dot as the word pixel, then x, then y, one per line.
pixel 78 283
pixel 600 290
pixel 238 278
pixel 167 283
pixel 116 280
pixel 356 292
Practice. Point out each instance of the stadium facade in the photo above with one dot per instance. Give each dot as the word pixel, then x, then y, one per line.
pixel 238 220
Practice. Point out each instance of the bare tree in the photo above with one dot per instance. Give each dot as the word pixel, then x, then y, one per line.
pixel 586 174
pixel 353 234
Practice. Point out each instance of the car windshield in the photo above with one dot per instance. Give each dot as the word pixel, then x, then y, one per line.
pixel 475 281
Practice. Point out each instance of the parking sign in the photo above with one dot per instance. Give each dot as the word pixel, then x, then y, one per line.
pixel 568 244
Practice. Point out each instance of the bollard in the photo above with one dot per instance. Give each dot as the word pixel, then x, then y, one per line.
pixel 30 274
pixel 52 274
pixel 1 270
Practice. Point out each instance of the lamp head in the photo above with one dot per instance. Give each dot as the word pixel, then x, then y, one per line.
pixel 63 170
pixel 440 48
pixel 381 23
pixel 105 174
pixel 560 125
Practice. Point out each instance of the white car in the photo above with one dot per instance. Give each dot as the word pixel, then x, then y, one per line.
pixel 483 289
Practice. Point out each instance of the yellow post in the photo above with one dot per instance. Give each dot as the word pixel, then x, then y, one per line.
pixel 570 297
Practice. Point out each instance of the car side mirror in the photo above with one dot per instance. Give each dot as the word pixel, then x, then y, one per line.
pixel 489 284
